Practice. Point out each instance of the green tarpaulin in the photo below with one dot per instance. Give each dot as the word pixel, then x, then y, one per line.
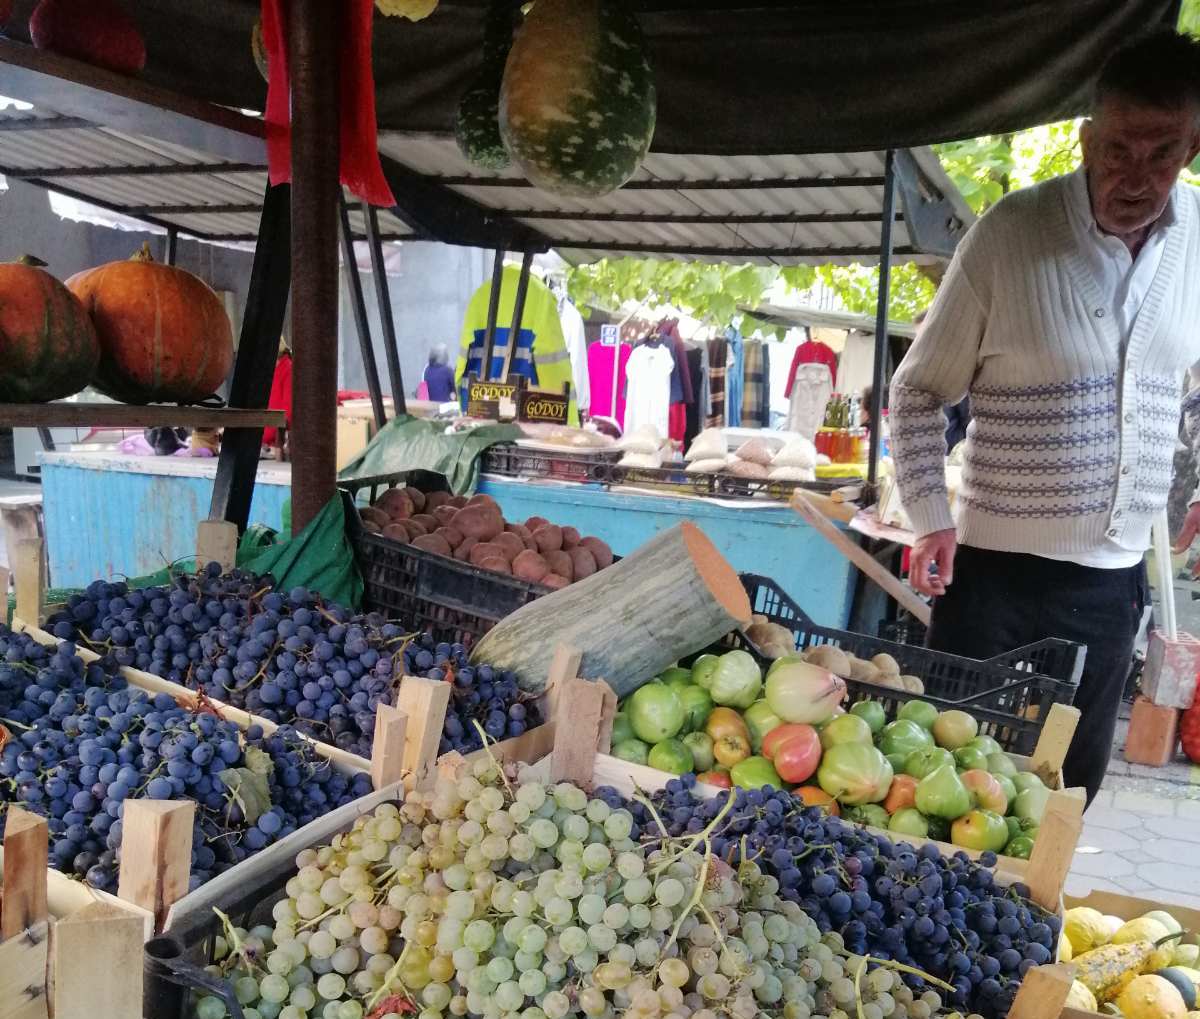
pixel 413 444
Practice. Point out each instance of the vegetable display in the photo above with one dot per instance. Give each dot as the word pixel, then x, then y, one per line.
pixel 48 346
pixel 926 773
pixel 496 897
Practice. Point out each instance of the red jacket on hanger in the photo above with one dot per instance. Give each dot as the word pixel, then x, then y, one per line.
pixel 812 352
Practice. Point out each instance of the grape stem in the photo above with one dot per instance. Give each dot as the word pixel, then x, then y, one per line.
pixel 487 750
pixel 858 974
pixel 694 901
pixel 892 964
pixel 392 974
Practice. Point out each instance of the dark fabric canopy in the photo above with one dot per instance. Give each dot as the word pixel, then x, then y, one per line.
pixel 733 77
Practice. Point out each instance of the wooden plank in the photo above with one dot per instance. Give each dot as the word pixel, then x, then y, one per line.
pixel 1055 740
pixel 1042 993
pixel 216 542
pixel 26 842
pixel 578 721
pixel 96 964
pixel 23 963
pixel 424 701
pixel 120 415
pixel 156 854
pixel 387 751
pixel 900 591
pixel 29 579
pixel 1054 849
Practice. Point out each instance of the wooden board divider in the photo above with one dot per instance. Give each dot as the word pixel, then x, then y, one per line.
pixel 156 854
pixel 216 542
pixel 1053 743
pixel 26 842
pixel 29 580
pixel 1042 993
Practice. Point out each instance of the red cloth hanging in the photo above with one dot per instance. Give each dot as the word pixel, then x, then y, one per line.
pixel 360 169
pixel 812 352
pixel 281 397
pixel 677 422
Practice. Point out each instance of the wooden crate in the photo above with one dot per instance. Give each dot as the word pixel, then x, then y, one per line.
pixel 65 950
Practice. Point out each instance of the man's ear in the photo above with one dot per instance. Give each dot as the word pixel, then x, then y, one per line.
pixel 1194 148
pixel 1085 138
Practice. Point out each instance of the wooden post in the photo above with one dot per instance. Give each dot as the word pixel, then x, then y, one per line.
pixel 26 841
pixel 96 962
pixel 578 729
pixel 1042 993
pixel 314 46
pixel 1054 849
pixel 387 750
pixel 1054 742
pixel 23 975
pixel 424 702
pixel 216 542
pixel 156 854
pixel 29 578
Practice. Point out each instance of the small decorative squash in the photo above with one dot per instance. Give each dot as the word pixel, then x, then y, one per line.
pixel 48 348
pixel 477 124
pixel 258 49
pixel 96 31
pixel 164 335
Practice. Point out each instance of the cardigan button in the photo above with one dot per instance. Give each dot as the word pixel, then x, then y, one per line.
pixel 1112 532
pixel 1099 313
pixel 1129 418
pixel 1125 469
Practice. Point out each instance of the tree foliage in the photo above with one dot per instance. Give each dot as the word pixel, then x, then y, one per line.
pixel 984 169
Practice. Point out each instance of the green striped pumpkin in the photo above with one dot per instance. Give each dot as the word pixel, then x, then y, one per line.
pixel 477 125
pixel 577 104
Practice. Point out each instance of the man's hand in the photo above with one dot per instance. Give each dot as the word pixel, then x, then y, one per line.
pixel 1191 526
pixel 937 549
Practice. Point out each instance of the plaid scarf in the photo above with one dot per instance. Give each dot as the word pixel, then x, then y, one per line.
pixel 756 387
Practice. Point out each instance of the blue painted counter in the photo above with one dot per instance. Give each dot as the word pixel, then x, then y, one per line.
pixel 768 538
pixel 107 514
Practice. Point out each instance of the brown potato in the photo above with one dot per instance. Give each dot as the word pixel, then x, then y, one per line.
pixel 395 504
pixel 429 522
pixel 376 515
pixel 570 537
pixel 445 515
pixel 453 536
pixel 435 499
pixel 520 530
pixel 531 544
pixel 397 532
pixel 416 528
pixel 463 551
pixel 371 527
pixel 484 500
pixel 512 544
pixel 485 550
pixel 560 563
pixel 529 565
pixel 416 497
pixel 432 543
pixel 554 581
pixel 548 537
pixel 480 522
pixel 457 501
pixel 583 562
pixel 600 551
pixel 533 523
pixel 496 563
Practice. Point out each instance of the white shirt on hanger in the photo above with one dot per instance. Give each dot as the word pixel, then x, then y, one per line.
pixel 576 341
pixel 648 388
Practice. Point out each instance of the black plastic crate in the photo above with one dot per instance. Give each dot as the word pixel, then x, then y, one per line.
pixel 454 600
pixel 902 631
pixel 1010 694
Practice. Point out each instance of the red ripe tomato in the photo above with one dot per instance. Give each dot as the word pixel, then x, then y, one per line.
pixel 782 734
pixel 720 779
pixel 797 758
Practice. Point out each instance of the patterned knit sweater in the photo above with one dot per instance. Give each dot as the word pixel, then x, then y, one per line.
pixel 1072 439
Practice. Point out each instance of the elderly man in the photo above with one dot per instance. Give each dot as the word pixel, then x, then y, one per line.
pixel 1069 315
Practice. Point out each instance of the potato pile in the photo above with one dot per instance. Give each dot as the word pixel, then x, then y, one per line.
pixel 474 531
pixel 775 642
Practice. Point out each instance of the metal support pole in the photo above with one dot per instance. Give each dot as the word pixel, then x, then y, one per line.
pixel 313 54
pixel 518 312
pixel 258 349
pixel 172 245
pixel 878 376
pixel 359 305
pixel 489 335
pixel 384 299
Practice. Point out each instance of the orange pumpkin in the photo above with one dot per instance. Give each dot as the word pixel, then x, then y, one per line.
pixel 164 335
pixel 48 348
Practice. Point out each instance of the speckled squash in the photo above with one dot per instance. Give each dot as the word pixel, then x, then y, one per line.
pixel 577 105
pixel 48 348
pixel 477 123
pixel 164 335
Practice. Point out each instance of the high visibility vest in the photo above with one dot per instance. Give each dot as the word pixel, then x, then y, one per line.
pixel 540 354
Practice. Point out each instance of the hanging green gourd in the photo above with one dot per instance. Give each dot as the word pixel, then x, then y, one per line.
pixel 577 105
pixel 477 125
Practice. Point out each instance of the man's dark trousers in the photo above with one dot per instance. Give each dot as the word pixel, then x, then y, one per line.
pixel 999 601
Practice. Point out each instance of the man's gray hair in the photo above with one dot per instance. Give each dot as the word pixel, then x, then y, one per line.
pixel 1160 69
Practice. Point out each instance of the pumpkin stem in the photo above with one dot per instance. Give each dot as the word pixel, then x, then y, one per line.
pixel 31 260
pixel 142 255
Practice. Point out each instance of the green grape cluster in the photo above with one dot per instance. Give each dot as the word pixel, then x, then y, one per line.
pixel 533 902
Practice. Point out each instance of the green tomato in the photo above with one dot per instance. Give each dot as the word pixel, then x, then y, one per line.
pixel 736 680
pixel 980 829
pixel 621 730
pixel 909 821
pixel 939 828
pixel 671 755
pixel 696 705
pixel 903 736
pixel 1010 790
pixel 760 720
pixel 921 712
pixel 969 757
pixel 897 762
pixel 1027 780
pixel 871 814
pixel 925 762
pixel 1001 764
pixel 1014 826
pixel 632 750
pixel 754 773
pixel 703 669
pixel 675 677
pixel 855 773
pixel 985 743
pixel 1021 846
pixel 1030 803
pixel 870 712
pixel 845 729
pixel 655 712
pixel 942 794
pixel 701 746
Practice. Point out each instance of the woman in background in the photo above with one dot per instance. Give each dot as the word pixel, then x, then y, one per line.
pixel 438 377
